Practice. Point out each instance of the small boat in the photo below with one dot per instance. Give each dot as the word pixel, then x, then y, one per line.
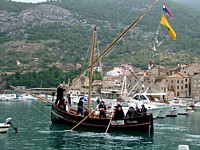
pixel 4 127
pixel 183 147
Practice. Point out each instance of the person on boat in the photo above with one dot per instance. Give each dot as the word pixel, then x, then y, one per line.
pixel 131 112
pixel 119 113
pixel 69 100
pixel 98 101
pixel 102 110
pixel 138 111
pixel 60 95
pixel 80 107
pixel 143 110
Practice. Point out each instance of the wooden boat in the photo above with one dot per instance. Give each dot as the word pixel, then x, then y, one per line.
pixel 139 123
pixel 142 123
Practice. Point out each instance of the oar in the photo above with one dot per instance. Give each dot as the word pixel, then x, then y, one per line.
pixel 83 119
pixel 110 119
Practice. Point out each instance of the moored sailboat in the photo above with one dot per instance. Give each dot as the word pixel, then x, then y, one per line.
pixel 142 122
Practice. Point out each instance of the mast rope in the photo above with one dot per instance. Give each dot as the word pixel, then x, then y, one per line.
pixel 40 111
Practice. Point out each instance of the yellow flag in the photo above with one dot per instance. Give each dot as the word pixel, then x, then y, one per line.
pixel 171 31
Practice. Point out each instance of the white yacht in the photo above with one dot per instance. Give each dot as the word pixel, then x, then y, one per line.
pixel 182 106
pixel 145 98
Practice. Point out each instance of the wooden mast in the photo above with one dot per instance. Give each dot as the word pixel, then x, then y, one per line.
pixel 91 66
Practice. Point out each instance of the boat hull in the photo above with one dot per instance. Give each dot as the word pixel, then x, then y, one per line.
pixel 4 127
pixel 138 124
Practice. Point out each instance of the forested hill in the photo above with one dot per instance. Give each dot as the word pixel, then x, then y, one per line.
pixel 190 3
pixel 37 36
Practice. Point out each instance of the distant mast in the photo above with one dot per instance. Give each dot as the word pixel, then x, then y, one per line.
pixel 91 66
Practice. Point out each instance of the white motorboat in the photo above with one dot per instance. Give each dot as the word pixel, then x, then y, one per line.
pixel 173 112
pixel 7 97
pixel 144 98
pixel 197 105
pixel 150 108
pixel 182 106
pixel 4 127
pixel 24 97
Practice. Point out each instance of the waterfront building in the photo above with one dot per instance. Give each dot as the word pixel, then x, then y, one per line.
pixel 179 84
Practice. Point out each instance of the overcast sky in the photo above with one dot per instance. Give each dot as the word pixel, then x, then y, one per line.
pixel 30 1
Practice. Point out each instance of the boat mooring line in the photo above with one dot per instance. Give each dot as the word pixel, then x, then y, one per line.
pixel 40 111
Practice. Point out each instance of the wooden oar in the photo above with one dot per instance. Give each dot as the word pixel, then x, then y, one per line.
pixel 110 119
pixel 84 118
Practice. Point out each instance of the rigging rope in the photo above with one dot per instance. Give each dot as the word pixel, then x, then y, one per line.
pixel 40 111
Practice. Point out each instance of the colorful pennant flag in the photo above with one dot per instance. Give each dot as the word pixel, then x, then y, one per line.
pixel 171 31
pixel 165 9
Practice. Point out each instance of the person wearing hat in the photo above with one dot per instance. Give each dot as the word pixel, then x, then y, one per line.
pixel 102 110
pixel 143 110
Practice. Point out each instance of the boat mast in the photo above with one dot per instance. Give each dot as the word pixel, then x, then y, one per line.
pixel 91 66
pixel 115 40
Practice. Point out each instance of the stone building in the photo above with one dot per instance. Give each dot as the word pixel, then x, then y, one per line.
pixel 179 84
pixel 195 87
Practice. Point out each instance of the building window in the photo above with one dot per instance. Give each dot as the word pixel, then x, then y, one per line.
pixel 185 80
pixel 177 81
pixel 182 81
pixel 186 86
pixel 177 94
pixel 181 87
pixel 177 87
pixel 171 81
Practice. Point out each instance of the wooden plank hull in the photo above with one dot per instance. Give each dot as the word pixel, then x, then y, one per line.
pixel 136 124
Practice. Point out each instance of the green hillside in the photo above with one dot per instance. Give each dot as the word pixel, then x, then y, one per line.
pixel 61 43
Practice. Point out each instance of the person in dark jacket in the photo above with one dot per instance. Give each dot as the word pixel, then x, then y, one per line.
pixel 80 107
pixel 69 100
pixel 131 112
pixel 60 95
pixel 138 112
pixel 143 110
pixel 102 110
pixel 119 113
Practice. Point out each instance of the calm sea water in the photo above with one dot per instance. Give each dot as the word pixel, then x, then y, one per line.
pixel 36 132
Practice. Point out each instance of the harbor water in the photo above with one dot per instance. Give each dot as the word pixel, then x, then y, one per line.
pixel 35 132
